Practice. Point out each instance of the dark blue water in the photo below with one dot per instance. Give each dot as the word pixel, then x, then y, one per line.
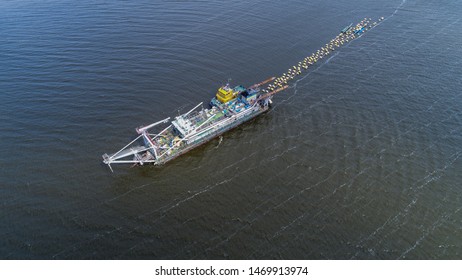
pixel 360 158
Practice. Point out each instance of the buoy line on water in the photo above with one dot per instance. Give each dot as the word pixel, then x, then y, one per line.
pixel 348 34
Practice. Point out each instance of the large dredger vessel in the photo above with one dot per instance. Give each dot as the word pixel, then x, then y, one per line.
pixel 230 107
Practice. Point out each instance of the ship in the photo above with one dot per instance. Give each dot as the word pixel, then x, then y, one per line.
pixel 229 108
pixel 167 139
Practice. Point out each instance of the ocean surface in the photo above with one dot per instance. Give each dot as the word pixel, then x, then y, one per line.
pixel 361 158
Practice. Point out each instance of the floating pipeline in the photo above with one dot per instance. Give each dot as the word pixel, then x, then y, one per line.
pixel 346 35
pixel 231 107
